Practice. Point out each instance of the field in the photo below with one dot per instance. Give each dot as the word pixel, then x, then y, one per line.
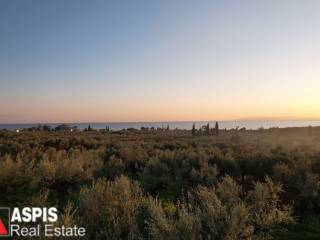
pixel 169 184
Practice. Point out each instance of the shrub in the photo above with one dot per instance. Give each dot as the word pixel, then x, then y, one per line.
pixel 58 168
pixel 110 209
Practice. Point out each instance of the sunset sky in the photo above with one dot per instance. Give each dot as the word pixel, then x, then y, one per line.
pixel 78 61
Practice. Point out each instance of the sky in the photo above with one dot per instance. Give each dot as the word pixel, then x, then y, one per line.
pixel 162 60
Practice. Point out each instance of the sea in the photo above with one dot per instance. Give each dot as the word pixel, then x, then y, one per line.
pixel 184 125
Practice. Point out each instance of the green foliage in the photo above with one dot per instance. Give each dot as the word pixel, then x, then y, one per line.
pixel 167 184
pixel 110 209
pixel 221 213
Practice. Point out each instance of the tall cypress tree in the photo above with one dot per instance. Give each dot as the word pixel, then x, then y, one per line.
pixel 216 128
pixel 208 129
pixel 193 130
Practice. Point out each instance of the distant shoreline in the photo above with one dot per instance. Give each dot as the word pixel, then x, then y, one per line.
pixel 183 125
